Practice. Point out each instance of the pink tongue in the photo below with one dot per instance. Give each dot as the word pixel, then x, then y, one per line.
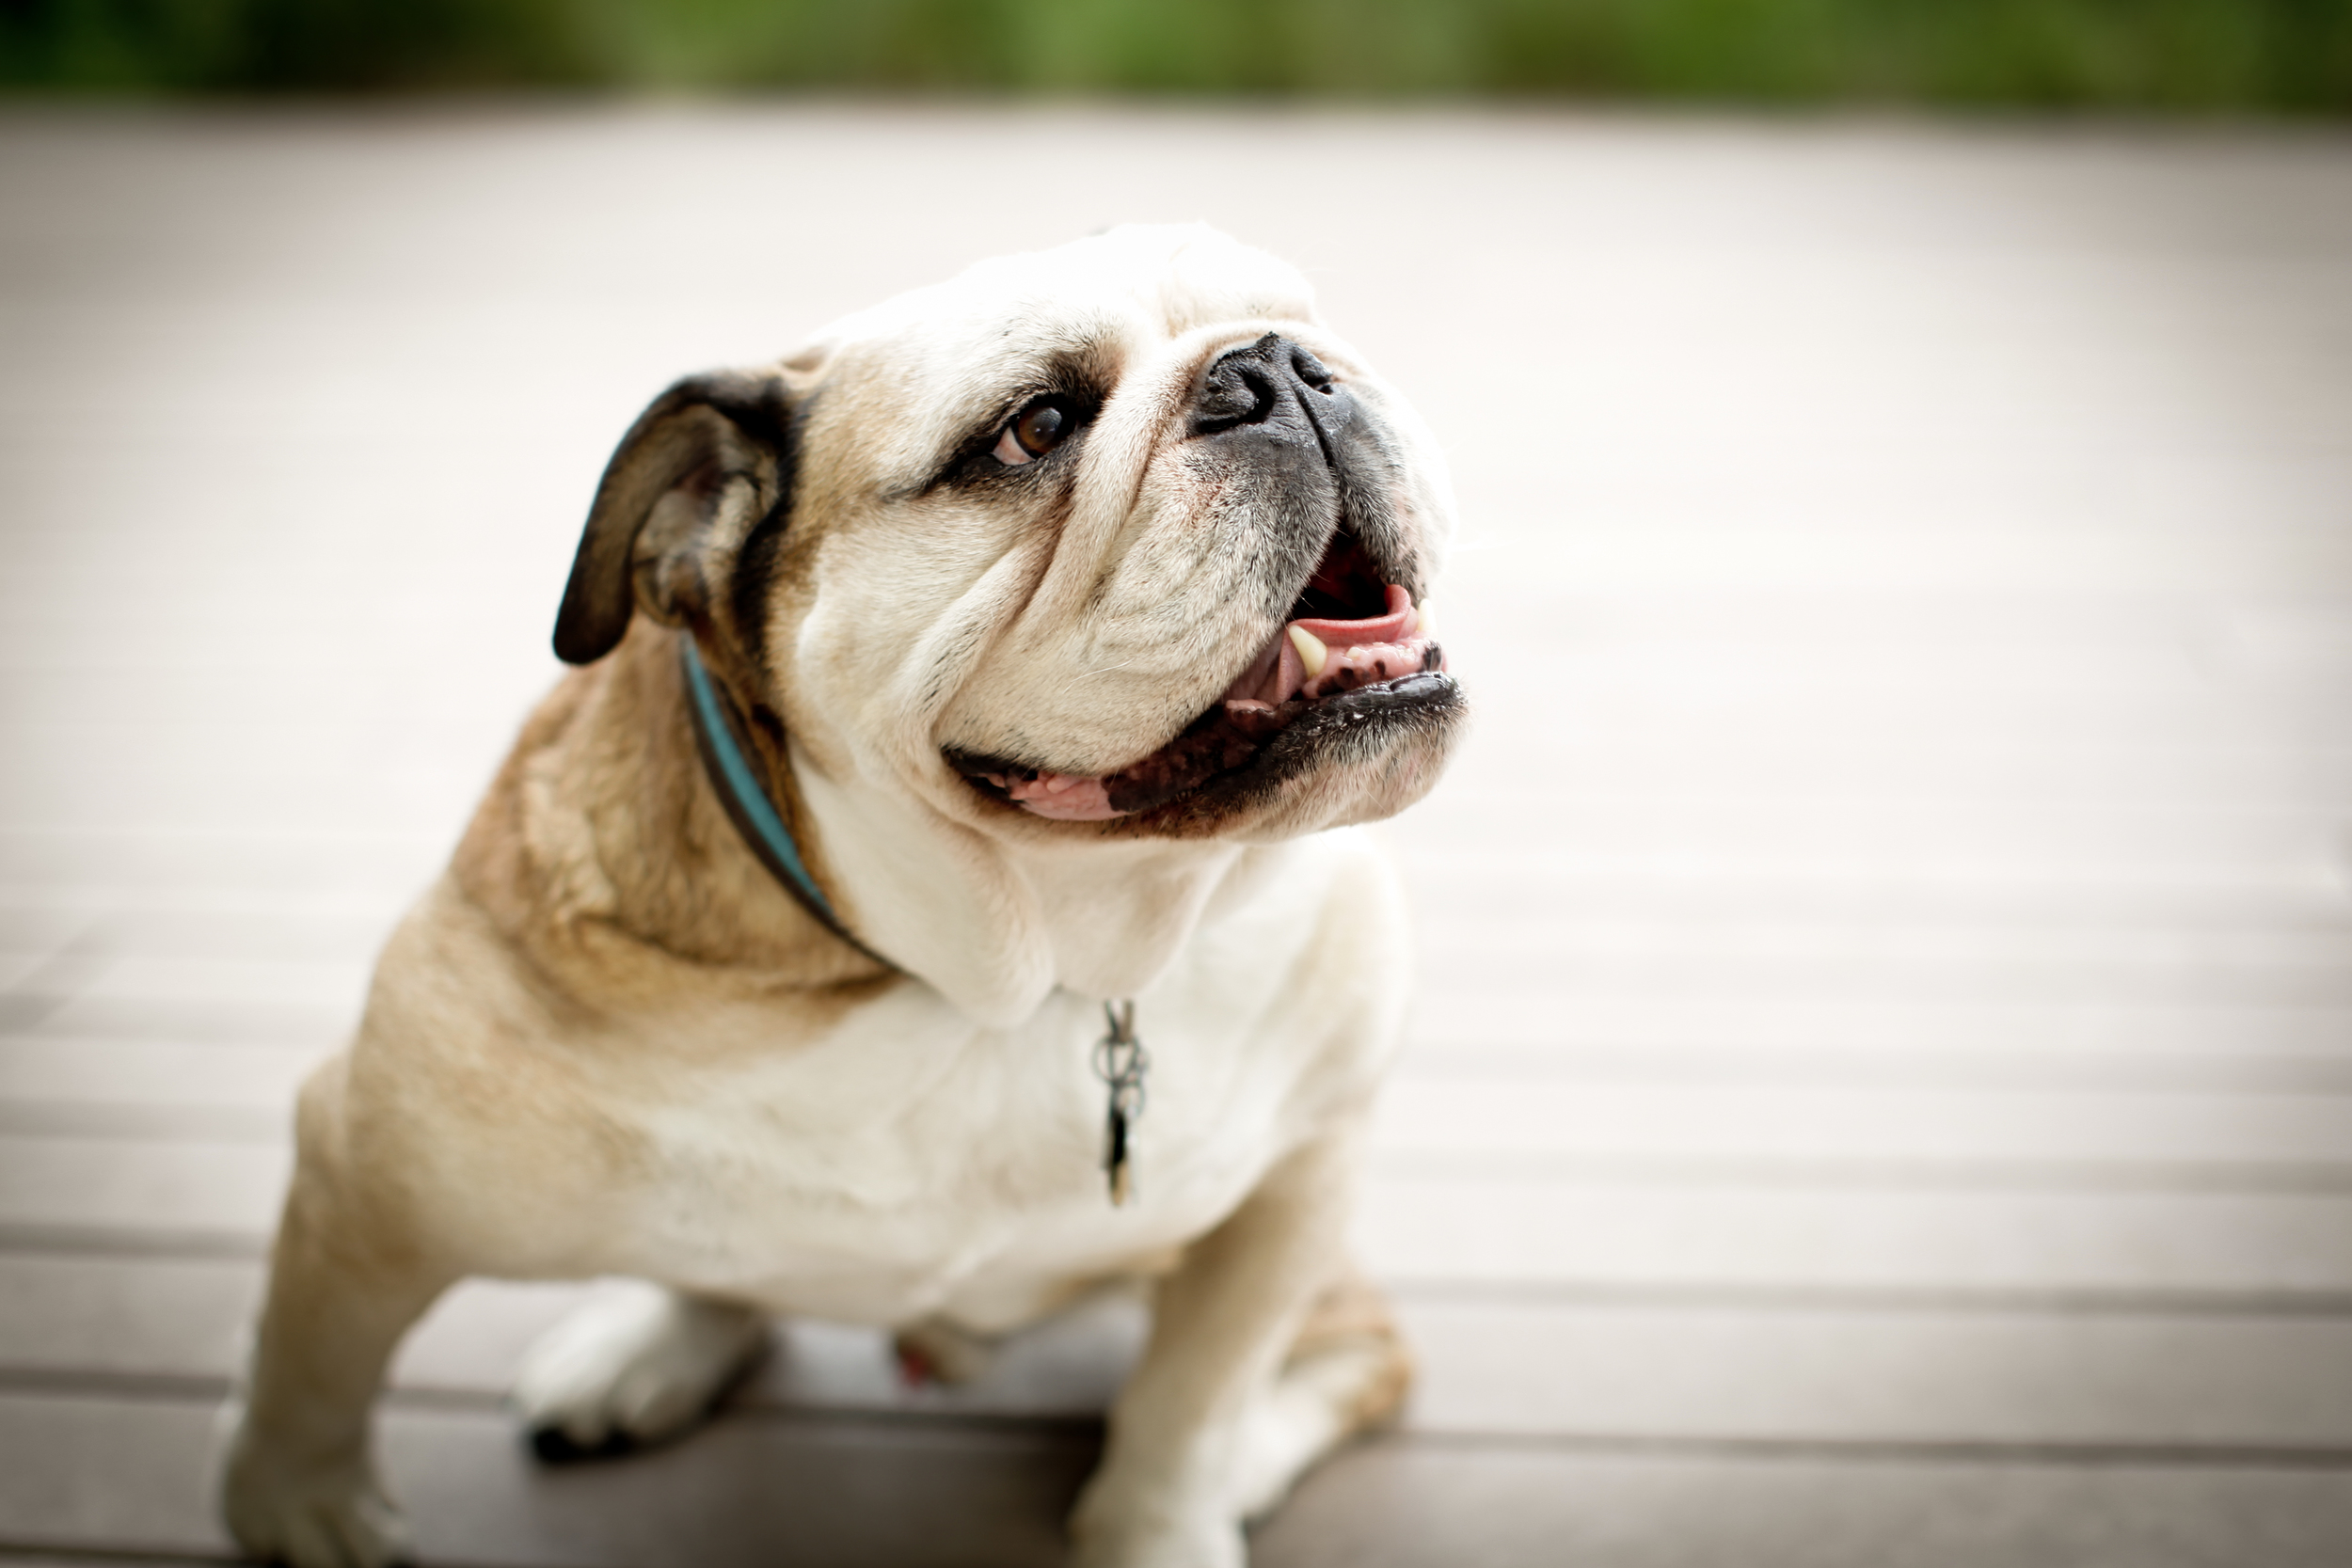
pixel 1278 673
pixel 1357 653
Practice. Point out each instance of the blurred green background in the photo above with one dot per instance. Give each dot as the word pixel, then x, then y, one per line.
pixel 2266 56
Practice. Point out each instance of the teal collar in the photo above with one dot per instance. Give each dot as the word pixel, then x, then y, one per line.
pixel 719 735
pixel 1119 1058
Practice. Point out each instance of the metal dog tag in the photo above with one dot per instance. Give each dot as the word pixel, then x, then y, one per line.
pixel 1119 1061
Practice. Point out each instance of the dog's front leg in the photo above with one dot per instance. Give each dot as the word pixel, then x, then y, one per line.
pixel 299 1485
pixel 1166 1496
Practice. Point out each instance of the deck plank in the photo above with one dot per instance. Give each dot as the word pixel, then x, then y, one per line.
pixel 1734 1237
pixel 1794 1369
pixel 117 1474
pixel 1404 1505
pixel 124 1474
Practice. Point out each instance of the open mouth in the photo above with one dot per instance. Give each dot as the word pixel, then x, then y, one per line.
pixel 1356 648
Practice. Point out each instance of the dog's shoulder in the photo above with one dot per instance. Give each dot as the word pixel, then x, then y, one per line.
pixel 598 854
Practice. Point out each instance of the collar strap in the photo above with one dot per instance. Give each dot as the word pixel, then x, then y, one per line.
pixel 719 736
pixel 1119 1057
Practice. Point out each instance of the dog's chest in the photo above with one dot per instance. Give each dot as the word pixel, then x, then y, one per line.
pixel 909 1163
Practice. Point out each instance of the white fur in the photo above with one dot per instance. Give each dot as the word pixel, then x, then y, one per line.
pixel 332 1514
pixel 636 1361
pixel 928 1158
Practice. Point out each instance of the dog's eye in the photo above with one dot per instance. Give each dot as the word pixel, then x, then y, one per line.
pixel 1035 430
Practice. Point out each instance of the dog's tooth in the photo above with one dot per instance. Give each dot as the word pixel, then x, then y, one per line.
pixel 1427 625
pixel 1312 653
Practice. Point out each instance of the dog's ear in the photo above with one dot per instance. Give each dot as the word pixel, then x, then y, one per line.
pixel 712 445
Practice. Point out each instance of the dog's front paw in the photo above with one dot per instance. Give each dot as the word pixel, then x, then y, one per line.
pixel 1112 1532
pixel 636 1363
pixel 332 1517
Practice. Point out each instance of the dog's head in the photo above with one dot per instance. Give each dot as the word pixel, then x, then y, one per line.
pixel 1114 540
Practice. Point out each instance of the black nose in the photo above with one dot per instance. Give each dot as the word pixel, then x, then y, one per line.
pixel 1270 382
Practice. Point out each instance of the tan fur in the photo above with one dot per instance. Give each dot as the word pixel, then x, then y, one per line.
pixel 608 1042
pixel 600 850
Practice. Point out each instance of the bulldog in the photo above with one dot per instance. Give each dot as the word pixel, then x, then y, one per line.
pixel 931 899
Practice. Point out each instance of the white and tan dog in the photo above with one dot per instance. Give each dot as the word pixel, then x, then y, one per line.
pixel 1054 612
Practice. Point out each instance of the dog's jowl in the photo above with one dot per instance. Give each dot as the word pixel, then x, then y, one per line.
pixel 930 900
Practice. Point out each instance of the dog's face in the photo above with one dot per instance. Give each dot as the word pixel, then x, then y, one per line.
pixel 1111 540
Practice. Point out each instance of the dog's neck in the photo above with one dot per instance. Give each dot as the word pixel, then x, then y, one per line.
pixel 724 743
pixel 604 842
pixel 995 925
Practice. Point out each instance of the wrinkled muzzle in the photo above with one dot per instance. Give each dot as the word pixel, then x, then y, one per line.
pixel 1309 483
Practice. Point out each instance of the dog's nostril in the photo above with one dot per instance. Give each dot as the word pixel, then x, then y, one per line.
pixel 1254 383
pixel 1238 392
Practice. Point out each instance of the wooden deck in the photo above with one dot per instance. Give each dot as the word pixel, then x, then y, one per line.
pixel 1882 1092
